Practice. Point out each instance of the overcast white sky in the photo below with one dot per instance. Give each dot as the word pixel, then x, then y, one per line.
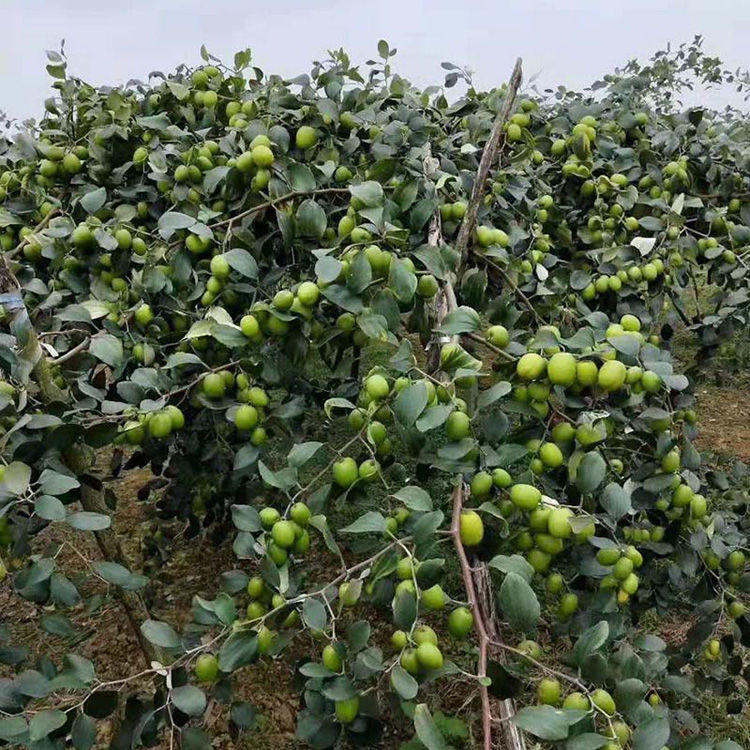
pixel 570 42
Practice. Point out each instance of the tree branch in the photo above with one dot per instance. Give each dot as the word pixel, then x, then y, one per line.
pixel 497 137
pixel 484 639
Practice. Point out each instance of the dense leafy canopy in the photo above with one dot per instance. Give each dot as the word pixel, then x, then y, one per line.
pixel 262 289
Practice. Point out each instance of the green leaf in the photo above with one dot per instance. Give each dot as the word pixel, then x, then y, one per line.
pixel 320 523
pixel 239 649
pixel 171 221
pixel 108 349
pixel 360 274
pixel 513 564
pixel 193 738
pixel 314 614
pixel 13 729
pixel 54 483
pixel 16 479
pixel 189 699
pixel 301 453
pixel 590 641
pixel 58 625
pixel 301 178
pixel 357 635
pixel 246 518
pixel 462 320
pixel 546 722
pixel 652 734
pixel 86 521
pixel 434 416
pixel 414 498
pixel 492 394
pixel 426 729
pixel 518 603
pixel 369 523
pixel 119 575
pixel 586 741
pixel 160 634
pixel 615 500
pixel 311 219
pixel 243 715
pixel 94 200
pixel 404 610
pixel 402 280
pixel 590 473
pixel 629 693
pixel 410 403
pixel 370 193
pixel 242 262
pixel 403 683
pixel 44 723
pixel 328 269
pixel 49 508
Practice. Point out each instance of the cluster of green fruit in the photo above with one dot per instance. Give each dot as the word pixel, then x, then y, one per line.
pixel 248 414
pixel 453 212
pixel 622 577
pixel 156 424
pixel 419 649
pixel 550 693
pixel 633 275
pixel 285 535
pixel 709 249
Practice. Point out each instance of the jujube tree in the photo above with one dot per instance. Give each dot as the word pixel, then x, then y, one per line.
pixel 340 296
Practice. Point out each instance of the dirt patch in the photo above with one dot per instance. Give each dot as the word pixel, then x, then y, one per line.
pixel 724 414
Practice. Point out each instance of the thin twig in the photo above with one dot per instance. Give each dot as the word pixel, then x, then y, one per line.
pixel 282 199
pixel 512 284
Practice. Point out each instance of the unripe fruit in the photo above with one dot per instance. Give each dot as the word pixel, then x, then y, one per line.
pixel 377 387
pixel 604 701
pixel 331 658
pixel 555 583
pixel 501 478
pixel 471 528
pixel 306 137
pixel 558 523
pixel 425 634
pixel 531 366
pixel 457 426
pixel 433 598
pixel 561 369
pixel 345 472
pixel 346 710
pixel 612 375
pixel 460 622
pixel 577 701
pixel 568 605
pixel 246 417
pixel 549 692
pixel 551 455
pixel 429 656
pixel 214 385
pixel 283 533
pixel 348 595
pixel 498 336
pixel 481 484
pixel 206 668
pixel 525 496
